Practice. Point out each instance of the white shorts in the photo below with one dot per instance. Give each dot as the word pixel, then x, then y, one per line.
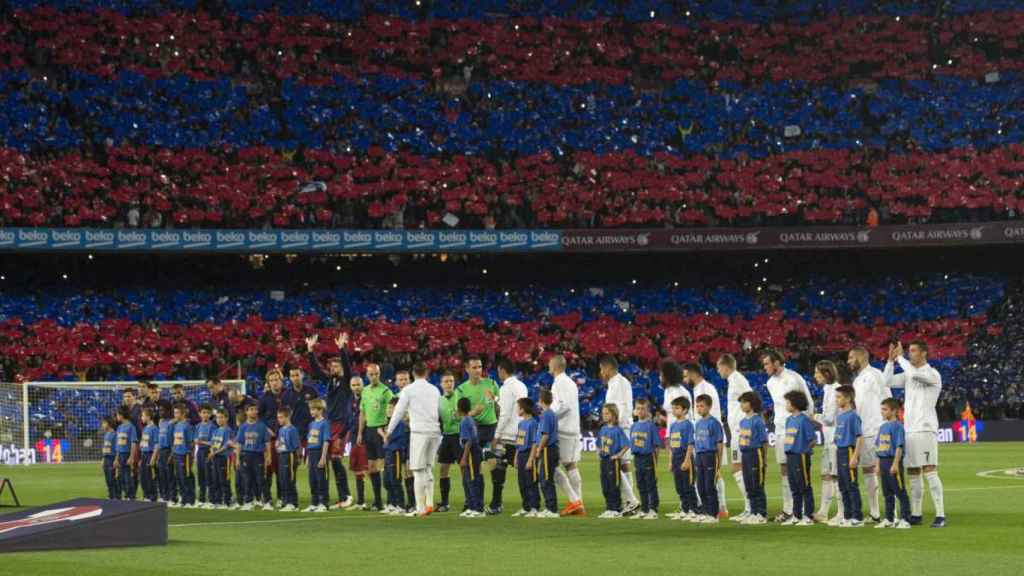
pixel 423 450
pixel 828 451
pixel 828 460
pixel 867 457
pixel 922 450
pixel 569 449
pixel 780 450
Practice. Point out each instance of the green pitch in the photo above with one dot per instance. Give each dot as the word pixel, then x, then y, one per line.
pixel 986 524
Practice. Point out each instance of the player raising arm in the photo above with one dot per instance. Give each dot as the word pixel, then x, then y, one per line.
pixel 923 385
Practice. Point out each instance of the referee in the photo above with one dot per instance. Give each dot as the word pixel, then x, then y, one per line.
pixel 483 397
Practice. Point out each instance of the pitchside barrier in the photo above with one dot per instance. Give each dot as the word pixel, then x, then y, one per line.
pixel 84 523
pixel 56 422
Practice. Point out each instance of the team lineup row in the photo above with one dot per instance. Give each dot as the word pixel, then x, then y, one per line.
pixel 397 439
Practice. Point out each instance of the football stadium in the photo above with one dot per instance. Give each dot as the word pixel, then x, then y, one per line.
pixel 422 286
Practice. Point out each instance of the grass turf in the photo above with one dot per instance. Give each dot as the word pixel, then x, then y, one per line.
pixel 984 531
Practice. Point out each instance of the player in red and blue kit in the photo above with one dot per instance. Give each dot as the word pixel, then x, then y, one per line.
pixel 849 441
pixel 288 446
pixel 472 456
pixel 525 434
pixel 545 455
pixel 680 445
pixel 108 427
pixel 612 447
pixel 184 438
pixel 253 442
pixel 317 439
pixel 165 459
pixel 204 430
pixel 644 442
pixel 799 444
pixel 357 461
pixel 753 442
pixel 708 438
pixel 890 445
pixel 396 455
pixel 149 446
pixel 220 458
pixel 339 405
pixel 127 452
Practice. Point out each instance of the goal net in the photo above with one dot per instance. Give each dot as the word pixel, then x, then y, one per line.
pixel 55 422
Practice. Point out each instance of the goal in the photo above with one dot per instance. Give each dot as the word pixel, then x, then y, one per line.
pixel 56 422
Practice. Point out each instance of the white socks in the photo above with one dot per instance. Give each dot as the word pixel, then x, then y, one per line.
pixel 916 494
pixel 738 476
pixel 720 487
pixel 564 485
pixel 626 488
pixel 577 484
pixel 419 483
pixel 935 486
pixel 827 487
pixel 871 484
pixel 787 496
pixel 428 488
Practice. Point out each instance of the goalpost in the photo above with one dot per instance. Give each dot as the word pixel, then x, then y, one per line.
pixel 55 422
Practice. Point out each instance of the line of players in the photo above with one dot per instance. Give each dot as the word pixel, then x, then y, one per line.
pixel 165 444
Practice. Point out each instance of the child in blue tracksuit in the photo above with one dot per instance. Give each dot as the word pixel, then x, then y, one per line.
pixel 317 448
pixel 753 454
pixel 184 441
pixel 612 446
pixel 253 441
pixel 126 453
pixel 644 441
pixel 204 431
pixel 472 456
pixel 707 444
pixel 165 459
pixel 545 455
pixel 526 474
pixel 288 445
pixel 849 441
pixel 889 447
pixel 149 447
pixel 680 445
pixel 109 469
pixel 220 459
pixel 800 440
pixel 241 418
pixel 396 455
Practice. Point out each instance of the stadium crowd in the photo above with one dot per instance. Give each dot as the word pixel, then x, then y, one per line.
pixel 225 114
pixel 139 331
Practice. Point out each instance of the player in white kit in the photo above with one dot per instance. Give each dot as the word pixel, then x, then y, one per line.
pixel 620 393
pixel 672 385
pixel 870 389
pixel 566 405
pixel 782 380
pixel 422 401
pixel 738 385
pixel 923 385
pixel 693 375
pixel 827 376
